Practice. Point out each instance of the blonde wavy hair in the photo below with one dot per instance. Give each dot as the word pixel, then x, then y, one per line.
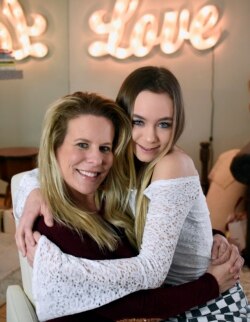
pixel 156 80
pixel 113 194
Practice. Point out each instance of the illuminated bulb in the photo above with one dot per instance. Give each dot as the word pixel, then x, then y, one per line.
pixel 141 52
pixel 185 15
pixel 138 28
pixel 116 24
pixel 167 32
pixel 122 53
pixel 101 29
pixel 17 12
pixel 97 49
pixel 24 40
pixel 184 33
pixel 198 24
pixel 213 20
pixel 120 6
pixel 113 38
pixel 150 36
pixel 211 41
pixel 39 50
pixel 5 45
pixel 133 5
pixel 148 18
pixel 134 43
pixel 94 19
pixel 206 10
pixel 39 25
pixel 196 40
pixel 168 48
pixel 20 28
pixel 33 31
pixel 3 31
pixel 171 16
pixel 19 54
pixel 5 11
pixel 96 24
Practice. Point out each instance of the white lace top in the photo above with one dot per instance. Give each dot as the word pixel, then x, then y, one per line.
pixel 177 231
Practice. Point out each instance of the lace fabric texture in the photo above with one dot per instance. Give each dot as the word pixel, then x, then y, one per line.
pixel 63 284
pixel 28 183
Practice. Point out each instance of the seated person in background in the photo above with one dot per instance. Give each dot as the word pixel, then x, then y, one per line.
pixel 224 191
pixel 174 203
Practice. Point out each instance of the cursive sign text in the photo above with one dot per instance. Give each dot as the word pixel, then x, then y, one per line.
pixel 201 31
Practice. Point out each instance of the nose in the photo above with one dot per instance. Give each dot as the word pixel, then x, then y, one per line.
pixel 151 134
pixel 95 157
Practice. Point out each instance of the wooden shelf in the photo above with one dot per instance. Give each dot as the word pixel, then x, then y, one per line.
pixel 11 74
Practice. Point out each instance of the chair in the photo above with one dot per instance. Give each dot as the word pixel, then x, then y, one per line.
pixel 19 300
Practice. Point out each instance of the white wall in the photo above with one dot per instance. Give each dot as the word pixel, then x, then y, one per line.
pixel 23 102
pixel 70 68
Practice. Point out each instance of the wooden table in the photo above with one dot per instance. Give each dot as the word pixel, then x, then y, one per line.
pixel 14 160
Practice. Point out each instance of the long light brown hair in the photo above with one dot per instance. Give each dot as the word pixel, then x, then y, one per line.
pixel 156 80
pixel 113 194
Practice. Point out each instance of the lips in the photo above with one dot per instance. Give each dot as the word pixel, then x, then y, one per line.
pixel 90 174
pixel 148 149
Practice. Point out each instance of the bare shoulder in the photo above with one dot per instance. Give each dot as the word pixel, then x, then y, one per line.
pixel 175 164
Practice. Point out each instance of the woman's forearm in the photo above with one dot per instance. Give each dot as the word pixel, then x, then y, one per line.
pixel 27 183
pixel 163 302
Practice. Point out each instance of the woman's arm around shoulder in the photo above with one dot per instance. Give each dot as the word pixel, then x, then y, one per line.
pixel 28 182
pixel 175 164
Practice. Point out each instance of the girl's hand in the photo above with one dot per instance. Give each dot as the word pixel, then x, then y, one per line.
pixel 221 252
pixel 34 206
pixel 31 249
pixel 224 273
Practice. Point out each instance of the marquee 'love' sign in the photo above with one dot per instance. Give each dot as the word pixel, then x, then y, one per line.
pixel 201 31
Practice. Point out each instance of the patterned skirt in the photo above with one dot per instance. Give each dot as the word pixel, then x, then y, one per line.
pixel 231 306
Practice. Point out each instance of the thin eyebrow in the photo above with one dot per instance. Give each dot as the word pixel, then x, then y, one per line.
pixel 88 141
pixel 161 119
pixel 109 144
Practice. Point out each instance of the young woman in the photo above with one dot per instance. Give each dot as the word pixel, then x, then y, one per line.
pixel 172 220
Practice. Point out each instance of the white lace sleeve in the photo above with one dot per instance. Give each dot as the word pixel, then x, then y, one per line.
pixel 28 183
pixel 63 284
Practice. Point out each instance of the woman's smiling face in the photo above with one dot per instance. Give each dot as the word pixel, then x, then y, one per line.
pixel 85 156
pixel 152 124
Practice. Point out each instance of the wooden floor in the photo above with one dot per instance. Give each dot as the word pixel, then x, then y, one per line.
pixel 3 313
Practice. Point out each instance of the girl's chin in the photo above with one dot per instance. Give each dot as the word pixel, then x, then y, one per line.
pixel 144 159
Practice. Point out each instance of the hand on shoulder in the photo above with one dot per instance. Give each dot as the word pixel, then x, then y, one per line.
pixel 175 164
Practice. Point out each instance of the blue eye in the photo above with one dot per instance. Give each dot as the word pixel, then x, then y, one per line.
pixel 137 122
pixel 165 125
pixel 105 149
pixel 82 145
